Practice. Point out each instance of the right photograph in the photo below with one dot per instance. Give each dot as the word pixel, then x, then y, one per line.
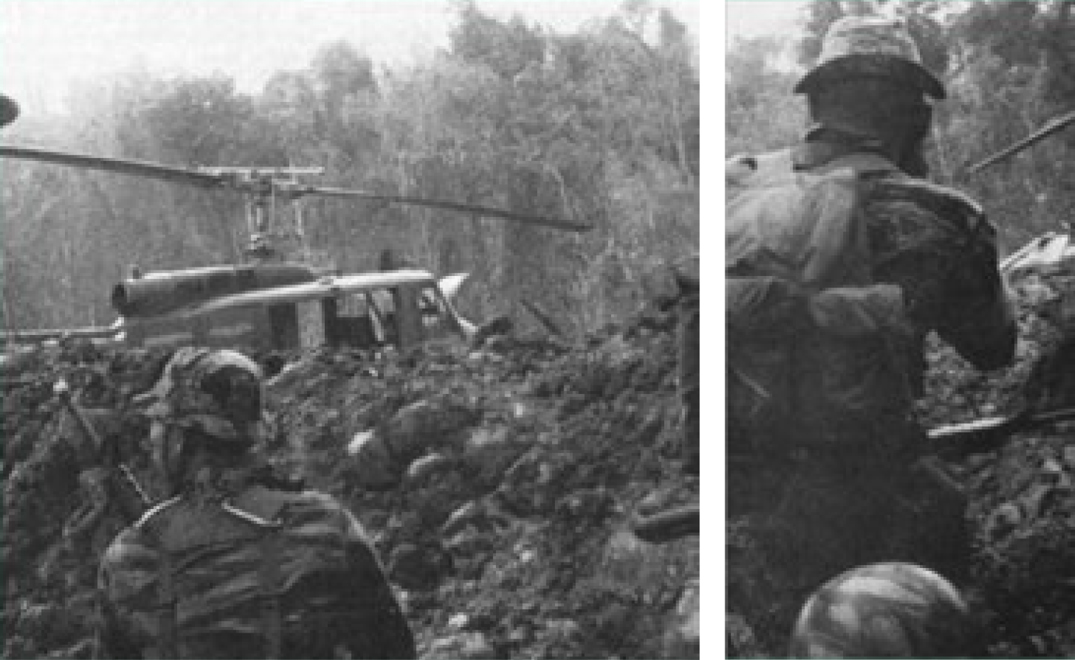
pixel 900 329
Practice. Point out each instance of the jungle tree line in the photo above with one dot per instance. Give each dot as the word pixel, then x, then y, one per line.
pixel 1008 67
pixel 600 125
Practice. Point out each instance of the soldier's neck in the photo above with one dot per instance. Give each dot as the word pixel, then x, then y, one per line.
pixel 823 144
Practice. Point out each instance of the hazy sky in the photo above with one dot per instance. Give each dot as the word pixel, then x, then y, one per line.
pixel 750 18
pixel 45 44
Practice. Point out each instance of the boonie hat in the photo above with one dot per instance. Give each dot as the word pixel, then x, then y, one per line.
pixel 215 391
pixel 869 47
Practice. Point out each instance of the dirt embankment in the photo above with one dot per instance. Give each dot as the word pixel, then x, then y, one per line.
pixel 496 483
pixel 500 507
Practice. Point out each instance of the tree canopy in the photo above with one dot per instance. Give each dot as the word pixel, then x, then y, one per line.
pixel 599 125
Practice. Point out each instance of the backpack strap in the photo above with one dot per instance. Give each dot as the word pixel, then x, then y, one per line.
pixel 167 601
pixel 166 605
pixel 264 509
pixel 269 587
pixel 255 508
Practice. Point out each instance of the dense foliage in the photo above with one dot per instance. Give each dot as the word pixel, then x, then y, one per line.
pixel 599 126
pixel 1008 67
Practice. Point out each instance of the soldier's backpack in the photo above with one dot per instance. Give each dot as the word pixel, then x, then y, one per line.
pixel 808 328
pixel 267 576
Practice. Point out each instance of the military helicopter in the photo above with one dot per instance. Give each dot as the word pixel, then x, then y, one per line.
pixel 271 302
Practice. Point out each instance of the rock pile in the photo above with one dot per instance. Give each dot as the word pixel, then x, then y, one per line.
pixel 496 483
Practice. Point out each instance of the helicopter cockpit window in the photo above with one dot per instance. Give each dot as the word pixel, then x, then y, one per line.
pixel 381 300
pixel 430 302
pixel 353 322
pixel 432 306
pixel 352 306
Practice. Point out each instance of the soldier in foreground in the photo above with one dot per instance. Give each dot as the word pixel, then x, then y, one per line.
pixel 840 260
pixel 238 563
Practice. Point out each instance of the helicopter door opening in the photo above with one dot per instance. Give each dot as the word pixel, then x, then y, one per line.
pixel 348 322
pixel 436 319
pixel 284 326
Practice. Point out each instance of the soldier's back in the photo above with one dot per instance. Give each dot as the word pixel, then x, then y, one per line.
pixel 271 574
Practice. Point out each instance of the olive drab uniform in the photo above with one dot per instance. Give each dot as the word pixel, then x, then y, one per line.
pixel 838 265
pixel 239 563
pixel 269 574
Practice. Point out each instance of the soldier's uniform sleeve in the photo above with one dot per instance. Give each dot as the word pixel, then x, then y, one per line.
pixel 937 245
pixel 392 636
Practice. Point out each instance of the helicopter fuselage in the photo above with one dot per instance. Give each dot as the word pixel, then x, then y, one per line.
pixel 278 307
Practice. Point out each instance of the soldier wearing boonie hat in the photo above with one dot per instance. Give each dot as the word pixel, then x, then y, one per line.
pixel 870 47
pixel 869 87
pixel 859 259
pixel 237 562
pixel 217 393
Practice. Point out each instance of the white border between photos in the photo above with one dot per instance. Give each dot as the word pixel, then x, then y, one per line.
pixel 711 217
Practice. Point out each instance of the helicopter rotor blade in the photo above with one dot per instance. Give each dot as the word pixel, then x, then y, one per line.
pixel 261 182
pixel 117 165
pixel 556 223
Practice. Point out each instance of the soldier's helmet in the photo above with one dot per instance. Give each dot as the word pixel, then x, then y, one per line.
pixel 887 610
pixel 869 47
pixel 9 110
pixel 216 392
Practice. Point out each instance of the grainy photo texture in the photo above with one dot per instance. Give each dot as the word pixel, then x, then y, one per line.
pixel 350 329
pixel 900 315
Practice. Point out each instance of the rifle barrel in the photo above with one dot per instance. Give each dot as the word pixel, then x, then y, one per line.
pixel 989 434
pixel 64 393
pixel 1045 131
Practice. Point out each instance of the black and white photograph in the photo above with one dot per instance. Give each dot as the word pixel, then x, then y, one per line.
pixel 351 329
pixel 900 329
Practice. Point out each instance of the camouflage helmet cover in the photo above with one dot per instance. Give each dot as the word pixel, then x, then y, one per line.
pixel 869 47
pixel 889 610
pixel 217 392
pixel 9 110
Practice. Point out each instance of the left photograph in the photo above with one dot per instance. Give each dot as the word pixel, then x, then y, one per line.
pixel 350 329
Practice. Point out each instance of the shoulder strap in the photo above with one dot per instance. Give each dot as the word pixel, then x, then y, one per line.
pixel 861 162
pixel 942 197
pixel 269 588
pixel 948 203
pixel 265 508
pixel 150 525
pixel 257 507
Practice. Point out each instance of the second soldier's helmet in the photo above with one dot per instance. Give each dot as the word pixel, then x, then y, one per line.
pixel 887 610
pixel 215 392
pixel 869 47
